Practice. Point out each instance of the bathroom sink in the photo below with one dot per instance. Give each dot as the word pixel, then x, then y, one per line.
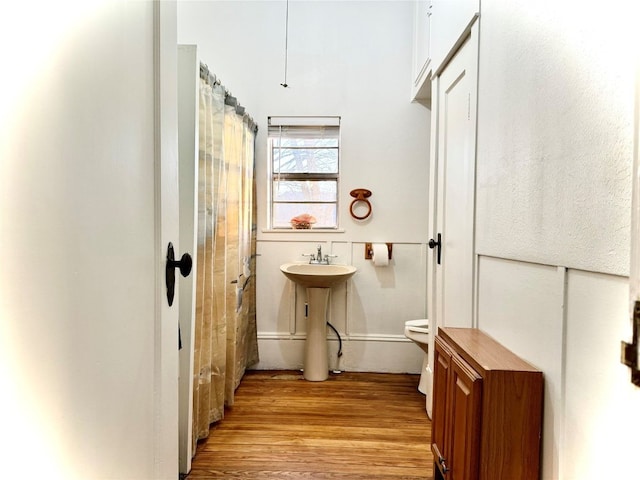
pixel 318 280
pixel 317 276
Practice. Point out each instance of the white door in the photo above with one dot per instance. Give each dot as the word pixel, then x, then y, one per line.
pixel 451 297
pixel 88 203
pixel 456 187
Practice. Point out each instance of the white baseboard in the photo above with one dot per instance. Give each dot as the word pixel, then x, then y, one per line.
pixel 360 353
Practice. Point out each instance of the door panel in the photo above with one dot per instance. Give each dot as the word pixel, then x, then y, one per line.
pixel 455 187
pixel 440 388
pixel 466 403
pixel 88 347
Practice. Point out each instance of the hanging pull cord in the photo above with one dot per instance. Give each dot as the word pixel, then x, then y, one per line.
pixel 286 46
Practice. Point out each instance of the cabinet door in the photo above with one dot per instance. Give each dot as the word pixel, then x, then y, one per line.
pixel 465 403
pixel 442 363
pixel 449 24
pixel 421 88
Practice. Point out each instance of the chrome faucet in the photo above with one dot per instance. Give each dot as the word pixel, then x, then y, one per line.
pixel 318 259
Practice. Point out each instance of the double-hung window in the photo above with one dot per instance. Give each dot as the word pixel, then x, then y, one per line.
pixel 304 156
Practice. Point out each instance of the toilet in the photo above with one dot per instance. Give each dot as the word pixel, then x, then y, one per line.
pixel 418 332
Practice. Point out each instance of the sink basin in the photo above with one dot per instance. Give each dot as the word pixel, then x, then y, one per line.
pixel 317 276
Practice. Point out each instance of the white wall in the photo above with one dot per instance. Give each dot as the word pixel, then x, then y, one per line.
pixel 352 59
pixel 554 164
pixel 554 131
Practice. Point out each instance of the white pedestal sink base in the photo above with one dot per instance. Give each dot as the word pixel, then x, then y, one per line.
pixel 316 352
pixel 318 280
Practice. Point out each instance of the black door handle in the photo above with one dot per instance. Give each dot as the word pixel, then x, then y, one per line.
pixel 184 264
pixel 434 244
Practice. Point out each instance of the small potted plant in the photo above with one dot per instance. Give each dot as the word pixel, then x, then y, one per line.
pixel 302 221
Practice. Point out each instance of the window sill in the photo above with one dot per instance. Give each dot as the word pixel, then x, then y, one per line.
pixel 302 230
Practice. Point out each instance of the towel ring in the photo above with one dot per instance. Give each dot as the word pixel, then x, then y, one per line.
pixel 360 195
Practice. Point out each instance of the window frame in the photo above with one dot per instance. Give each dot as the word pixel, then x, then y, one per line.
pixel 314 124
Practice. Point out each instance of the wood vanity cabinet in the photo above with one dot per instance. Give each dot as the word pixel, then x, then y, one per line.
pixel 487 410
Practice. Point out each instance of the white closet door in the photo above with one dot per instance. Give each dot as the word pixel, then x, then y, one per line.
pixel 456 186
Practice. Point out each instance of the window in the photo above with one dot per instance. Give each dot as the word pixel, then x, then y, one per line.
pixel 304 155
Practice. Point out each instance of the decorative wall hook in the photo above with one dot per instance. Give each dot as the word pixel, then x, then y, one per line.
pixel 360 195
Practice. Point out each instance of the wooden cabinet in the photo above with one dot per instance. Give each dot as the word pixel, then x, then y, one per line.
pixel 487 410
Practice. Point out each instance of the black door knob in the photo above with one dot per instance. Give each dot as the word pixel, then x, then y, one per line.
pixel 436 244
pixel 184 264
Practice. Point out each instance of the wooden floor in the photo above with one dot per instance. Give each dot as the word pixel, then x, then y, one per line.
pixel 353 426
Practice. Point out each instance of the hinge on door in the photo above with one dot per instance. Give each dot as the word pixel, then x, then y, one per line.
pixel 629 351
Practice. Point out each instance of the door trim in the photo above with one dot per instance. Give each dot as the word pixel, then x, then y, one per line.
pixel 165 380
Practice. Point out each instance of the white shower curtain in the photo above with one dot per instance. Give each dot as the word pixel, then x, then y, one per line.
pixel 225 333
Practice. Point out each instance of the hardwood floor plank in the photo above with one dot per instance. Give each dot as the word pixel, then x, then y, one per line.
pixel 354 425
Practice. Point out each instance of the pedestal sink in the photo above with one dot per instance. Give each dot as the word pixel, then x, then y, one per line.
pixel 318 280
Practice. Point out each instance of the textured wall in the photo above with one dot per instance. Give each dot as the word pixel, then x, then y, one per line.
pixel 554 133
pixel 555 146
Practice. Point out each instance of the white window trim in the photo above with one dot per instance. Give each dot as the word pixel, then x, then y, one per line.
pixel 303 121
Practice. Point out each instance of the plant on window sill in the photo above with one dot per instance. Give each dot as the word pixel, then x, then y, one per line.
pixel 302 221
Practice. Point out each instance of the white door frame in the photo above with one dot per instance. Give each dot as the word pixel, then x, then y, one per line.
pixel 634 271
pixel 167 221
pixel 188 131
